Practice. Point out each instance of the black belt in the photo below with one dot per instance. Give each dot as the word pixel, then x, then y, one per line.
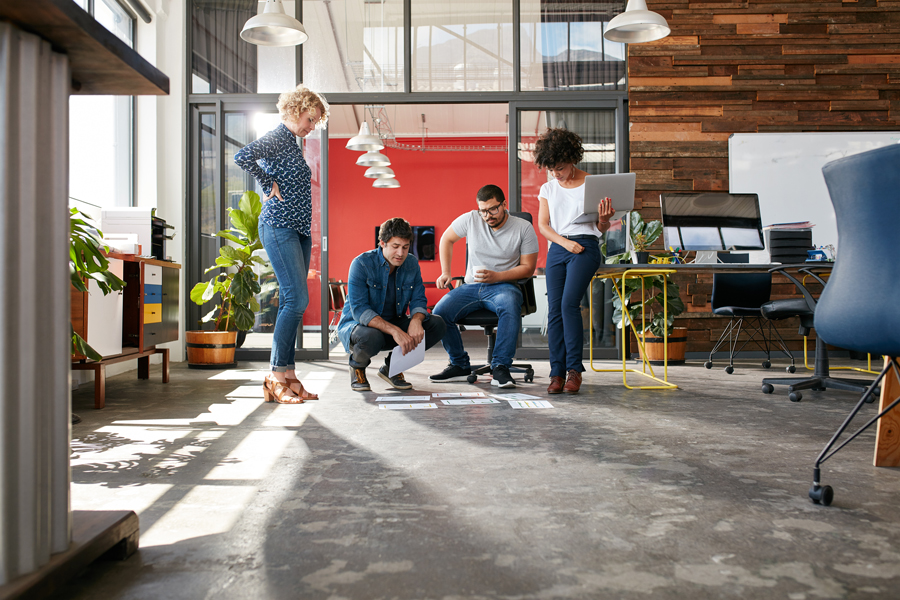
pixel 581 237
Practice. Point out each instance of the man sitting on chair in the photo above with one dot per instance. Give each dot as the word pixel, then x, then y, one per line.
pixel 503 249
pixel 383 283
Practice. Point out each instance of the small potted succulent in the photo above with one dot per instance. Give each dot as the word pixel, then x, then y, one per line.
pixel 236 285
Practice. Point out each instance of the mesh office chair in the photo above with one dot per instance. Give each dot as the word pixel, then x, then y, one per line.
pixel 740 296
pixel 487 320
pixel 858 308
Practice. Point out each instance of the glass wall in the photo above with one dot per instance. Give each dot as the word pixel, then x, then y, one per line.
pixel 223 63
pixel 462 46
pixel 597 129
pixel 361 47
pixel 562 46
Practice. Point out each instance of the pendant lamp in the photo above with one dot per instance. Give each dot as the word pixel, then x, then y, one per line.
pixel 378 172
pixel 637 25
pixel 273 27
pixel 373 158
pixel 364 141
pixel 387 182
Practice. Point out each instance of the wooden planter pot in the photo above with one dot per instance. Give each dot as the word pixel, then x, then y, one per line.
pixel 211 349
pixel 656 348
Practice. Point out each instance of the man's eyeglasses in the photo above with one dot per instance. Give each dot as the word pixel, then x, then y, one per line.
pixel 491 211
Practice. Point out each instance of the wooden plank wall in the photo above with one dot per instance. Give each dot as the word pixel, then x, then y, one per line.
pixel 752 66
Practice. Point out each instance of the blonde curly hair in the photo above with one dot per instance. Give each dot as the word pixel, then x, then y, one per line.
pixel 295 102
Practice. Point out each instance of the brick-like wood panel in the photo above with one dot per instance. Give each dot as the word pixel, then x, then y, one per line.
pixel 752 66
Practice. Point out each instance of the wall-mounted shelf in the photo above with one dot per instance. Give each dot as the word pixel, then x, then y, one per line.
pixel 100 62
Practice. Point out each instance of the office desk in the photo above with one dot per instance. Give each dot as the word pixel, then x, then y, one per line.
pixel 620 274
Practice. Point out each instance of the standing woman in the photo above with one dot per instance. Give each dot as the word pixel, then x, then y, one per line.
pixel 574 253
pixel 276 161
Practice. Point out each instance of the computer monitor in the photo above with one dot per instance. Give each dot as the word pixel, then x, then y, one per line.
pixel 422 246
pixel 712 221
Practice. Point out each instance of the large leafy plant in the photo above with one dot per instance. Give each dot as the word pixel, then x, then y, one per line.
pixel 237 284
pixel 643 234
pixel 88 263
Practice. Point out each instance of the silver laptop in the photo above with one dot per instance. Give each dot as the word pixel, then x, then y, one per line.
pixel 619 187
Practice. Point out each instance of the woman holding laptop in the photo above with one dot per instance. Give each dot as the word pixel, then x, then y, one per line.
pixel 574 254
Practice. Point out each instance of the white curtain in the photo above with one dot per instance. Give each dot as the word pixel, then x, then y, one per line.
pixel 34 292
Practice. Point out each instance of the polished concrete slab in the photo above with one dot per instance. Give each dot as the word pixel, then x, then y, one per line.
pixel 695 493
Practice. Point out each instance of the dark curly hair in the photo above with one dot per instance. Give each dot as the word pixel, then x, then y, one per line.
pixel 557 147
pixel 395 227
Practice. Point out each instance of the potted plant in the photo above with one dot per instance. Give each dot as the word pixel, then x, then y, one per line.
pixel 642 235
pixel 236 286
pixel 87 261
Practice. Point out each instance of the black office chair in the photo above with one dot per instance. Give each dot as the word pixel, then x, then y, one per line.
pixel 805 308
pixel 858 308
pixel 488 321
pixel 740 296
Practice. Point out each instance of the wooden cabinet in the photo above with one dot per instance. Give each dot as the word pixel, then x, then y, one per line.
pixel 148 314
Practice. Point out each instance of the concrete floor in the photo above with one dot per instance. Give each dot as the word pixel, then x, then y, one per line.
pixel 694 493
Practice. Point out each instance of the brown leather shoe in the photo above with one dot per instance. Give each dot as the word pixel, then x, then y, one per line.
pixel 573 382
pixel 556 385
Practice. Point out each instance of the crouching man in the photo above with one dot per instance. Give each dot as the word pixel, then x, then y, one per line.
pixel 382 286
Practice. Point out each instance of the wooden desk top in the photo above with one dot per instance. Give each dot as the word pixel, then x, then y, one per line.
pixel 149 261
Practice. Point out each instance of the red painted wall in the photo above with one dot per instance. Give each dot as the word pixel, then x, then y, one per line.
pixel 435 188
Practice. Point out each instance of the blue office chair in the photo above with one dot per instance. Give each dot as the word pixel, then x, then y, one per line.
pixel 858 308
pixel 740 296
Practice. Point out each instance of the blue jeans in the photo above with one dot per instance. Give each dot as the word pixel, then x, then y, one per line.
pixel 568 276
pixel 288 252
pixel 503 299
pixel 366 342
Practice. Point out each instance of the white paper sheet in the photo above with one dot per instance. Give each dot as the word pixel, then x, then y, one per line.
pixel 464 401
pixel 408 406
pixel 401 362
pixel 458 395
pixel 402 398
pixel 530 404
pixel 516 396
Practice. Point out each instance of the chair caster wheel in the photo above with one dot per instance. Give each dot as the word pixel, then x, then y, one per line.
pixel 795 396
pixel 768 388
pixel 766 364
pixel 821 494
pixel 708 364
pixel 791 369
pixel 472 378
pixel 729 369
pixel 529 375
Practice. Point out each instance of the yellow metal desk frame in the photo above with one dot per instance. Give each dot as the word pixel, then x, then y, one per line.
pixel 619 276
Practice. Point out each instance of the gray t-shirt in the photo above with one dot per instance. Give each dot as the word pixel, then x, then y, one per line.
pixel 495 250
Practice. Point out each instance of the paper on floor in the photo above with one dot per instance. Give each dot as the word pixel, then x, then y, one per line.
pixel 413 406
pixel 530 404
pixel 464 401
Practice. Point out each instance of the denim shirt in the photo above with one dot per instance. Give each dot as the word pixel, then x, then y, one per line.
pixel 366 289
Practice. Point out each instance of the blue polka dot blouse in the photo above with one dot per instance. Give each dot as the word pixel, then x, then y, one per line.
pixel 277 156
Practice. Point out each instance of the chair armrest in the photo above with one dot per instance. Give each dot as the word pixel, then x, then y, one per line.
pixel 810 301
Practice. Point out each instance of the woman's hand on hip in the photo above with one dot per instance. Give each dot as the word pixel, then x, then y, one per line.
pixel 275 192
pixel 573 247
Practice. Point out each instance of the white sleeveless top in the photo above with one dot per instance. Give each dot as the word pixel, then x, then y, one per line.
pixel 565 206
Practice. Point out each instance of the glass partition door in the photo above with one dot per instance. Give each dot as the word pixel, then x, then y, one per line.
pixel 600 134
pixel 219 184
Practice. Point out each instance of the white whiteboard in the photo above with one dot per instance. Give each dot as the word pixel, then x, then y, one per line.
pixel 785 169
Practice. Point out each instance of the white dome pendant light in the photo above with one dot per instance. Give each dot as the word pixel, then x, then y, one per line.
pixel 273 27
pixel 637 25
pixel 364 141
pixel 373 158
pixel 387 182
pixel 378 172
